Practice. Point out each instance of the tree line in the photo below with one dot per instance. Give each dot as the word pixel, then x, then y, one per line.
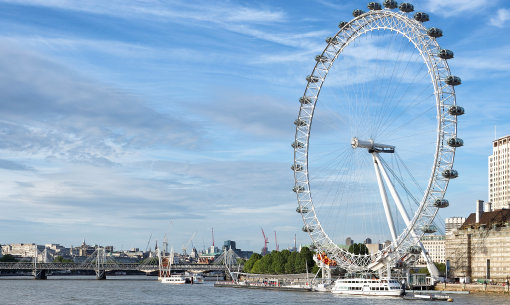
pixel 282 262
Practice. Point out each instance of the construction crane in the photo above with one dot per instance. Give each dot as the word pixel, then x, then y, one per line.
pixel 266 241
pixel 185 246
pixel 276 242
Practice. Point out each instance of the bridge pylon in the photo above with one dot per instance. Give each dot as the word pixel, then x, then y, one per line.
pixel 100 264
pixel 39 274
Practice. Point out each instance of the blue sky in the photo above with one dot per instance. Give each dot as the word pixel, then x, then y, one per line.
pixel 124 118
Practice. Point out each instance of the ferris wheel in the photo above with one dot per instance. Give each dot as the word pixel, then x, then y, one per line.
pixel 386 122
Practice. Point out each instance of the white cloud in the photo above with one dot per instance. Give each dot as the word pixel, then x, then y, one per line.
pixel 502 16
pixel 455 7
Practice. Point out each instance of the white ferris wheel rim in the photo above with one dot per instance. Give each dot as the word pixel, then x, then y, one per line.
pixel 438 68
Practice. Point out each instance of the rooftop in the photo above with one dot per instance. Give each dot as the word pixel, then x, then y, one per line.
pixel 487 218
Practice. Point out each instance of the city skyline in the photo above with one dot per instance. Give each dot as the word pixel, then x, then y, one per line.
pixel 120 121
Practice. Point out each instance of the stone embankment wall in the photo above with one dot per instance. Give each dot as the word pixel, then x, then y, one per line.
pixel 475 288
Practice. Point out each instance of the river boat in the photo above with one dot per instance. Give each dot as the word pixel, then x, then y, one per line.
pixel 369 287
pixel 173 279
pixel 165 269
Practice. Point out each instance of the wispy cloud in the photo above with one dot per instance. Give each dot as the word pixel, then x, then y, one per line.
pixel 502 16
pixel 455 7
pixel 67 115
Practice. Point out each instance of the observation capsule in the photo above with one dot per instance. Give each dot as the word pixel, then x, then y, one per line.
pixel 296 167
pixel 435 32
pixel 298 189
pixel 406 7
pixel 300 123
pixel 414 250
pixel 321 58
pixel 312 78
pixel 450 173
pixel 374 6
pixel 332 40
pixel 307 228
pixel 391 4
pixel 455 142
pixel 453 80
pixel 445 54
pixel 297 145
pixel 421 17
pixel 302 210
pixel 357 13
pixel 342 24
pixel 456 110
pixel 441 203
pixel 305 100
pixel 429 229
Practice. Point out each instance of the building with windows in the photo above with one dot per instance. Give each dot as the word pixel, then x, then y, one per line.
pixel 453 223
pixel 499 174
pixel 434 245
pixel 478 250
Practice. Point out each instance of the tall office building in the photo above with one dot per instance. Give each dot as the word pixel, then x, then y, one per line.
pixel 499 174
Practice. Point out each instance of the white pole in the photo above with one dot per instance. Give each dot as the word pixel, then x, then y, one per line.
pixel 430 265
pixel 384 198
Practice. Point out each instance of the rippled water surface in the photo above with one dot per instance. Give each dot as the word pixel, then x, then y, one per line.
pixel 147 290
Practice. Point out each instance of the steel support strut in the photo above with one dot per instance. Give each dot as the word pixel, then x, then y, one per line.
pixel 430 265
pixel 384 198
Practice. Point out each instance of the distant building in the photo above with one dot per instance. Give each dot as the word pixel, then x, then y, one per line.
pixel 435 247
pixel 368 240
pixel 478 250
pixel 22 250
pixel 453 223
pixel 373 248
pixel 230 244
pixel 499 177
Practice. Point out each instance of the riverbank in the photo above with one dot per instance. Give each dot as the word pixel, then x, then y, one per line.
pixel 474 288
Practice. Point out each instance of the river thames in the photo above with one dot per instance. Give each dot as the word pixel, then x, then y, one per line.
pixel 147 290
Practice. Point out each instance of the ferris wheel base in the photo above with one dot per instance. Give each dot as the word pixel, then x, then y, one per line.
pixel 377 265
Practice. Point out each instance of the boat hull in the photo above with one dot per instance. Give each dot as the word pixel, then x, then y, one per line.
pixel 176 280
pixel 367 287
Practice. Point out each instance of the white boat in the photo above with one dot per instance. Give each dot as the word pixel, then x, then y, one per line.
pixel 364 286
pixel 165 268
pixel 173 279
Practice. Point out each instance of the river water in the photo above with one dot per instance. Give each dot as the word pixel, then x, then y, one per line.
pixel 147 290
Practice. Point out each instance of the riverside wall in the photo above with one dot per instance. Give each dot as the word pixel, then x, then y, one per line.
pixel 475 288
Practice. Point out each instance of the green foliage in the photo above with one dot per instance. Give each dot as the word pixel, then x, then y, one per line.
pixel 8 259
pixel 249 263
pixel 281 262
pixel 60 259
pixel 440 267
pixel 358 249
pixel 289 265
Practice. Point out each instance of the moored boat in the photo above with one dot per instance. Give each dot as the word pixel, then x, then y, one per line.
pixel 173 279
pixel 365 286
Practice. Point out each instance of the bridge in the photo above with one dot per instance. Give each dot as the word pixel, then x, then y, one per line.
pixel 101 263
pixel 40 270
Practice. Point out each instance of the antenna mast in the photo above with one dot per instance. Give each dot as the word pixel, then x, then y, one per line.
pixel 212 232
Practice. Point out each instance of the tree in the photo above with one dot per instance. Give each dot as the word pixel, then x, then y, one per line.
pixel 358 249
pixel 8 258
pixel 248 266
pixel 290 264
pixel 278 264
pixel 60 259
